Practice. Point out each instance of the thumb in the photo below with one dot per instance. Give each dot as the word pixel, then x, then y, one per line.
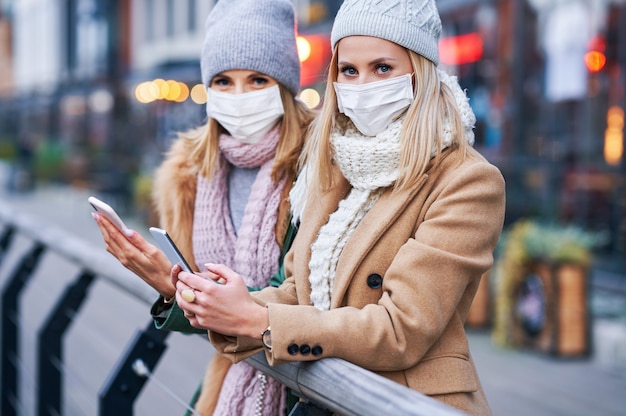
pixel 174 274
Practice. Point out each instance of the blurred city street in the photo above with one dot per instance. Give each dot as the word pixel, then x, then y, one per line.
pixel 93 93
pixel 517 382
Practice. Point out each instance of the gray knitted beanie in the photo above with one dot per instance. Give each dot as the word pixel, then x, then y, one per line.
pixel 414 24
pixel 257 35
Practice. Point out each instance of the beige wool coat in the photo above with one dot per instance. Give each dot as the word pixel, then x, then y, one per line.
pixel 404 283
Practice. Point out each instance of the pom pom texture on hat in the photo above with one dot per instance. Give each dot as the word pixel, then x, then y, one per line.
pixel 414 24
pixel 257 35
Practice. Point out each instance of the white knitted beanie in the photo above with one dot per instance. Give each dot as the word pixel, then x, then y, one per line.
pixel 257 35
pixel 414 24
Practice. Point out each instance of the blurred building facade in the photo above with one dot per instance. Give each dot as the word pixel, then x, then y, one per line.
pixel 88 91
pixel 546 79
pixel 83 88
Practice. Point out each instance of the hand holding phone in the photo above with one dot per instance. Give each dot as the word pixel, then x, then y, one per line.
pixel 169 248
pixel 105 209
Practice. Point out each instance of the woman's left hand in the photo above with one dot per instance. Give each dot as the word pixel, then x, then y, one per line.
pixel 226 308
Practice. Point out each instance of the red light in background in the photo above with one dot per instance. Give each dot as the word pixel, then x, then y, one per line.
pixel 462 49
pixel 314 64
pixel 597 43
pixel 595 59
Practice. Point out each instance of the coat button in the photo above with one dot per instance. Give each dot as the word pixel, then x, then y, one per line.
pixel 317 350
pixel 374 281
pixel 293 349
pixel 305 349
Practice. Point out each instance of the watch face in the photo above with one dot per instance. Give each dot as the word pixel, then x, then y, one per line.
pixel 267 338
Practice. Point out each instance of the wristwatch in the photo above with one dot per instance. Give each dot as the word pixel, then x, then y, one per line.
pixel 266 338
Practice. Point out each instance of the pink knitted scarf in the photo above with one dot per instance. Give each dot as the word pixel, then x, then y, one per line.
pixel 252 252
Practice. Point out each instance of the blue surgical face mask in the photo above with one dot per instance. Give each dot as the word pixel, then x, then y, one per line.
pixel 373 106
pixel 247 117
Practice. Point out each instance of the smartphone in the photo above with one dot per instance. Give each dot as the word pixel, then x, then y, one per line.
pixel 105 209
pixel 169 248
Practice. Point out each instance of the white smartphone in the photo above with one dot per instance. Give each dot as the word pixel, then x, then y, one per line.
pixel 169 248
pixel 105 209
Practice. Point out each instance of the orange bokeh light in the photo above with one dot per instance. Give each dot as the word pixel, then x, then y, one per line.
pixel 595 61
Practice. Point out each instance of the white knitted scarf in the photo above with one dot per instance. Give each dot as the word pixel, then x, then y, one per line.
pixel 370 164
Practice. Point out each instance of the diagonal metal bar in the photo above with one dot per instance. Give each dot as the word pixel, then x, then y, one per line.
pixel 50 344
pixel 10 329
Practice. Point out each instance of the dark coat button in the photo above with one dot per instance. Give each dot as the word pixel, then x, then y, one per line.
pixel 317 350
pixel 305 349
pixel 374 281
pixel 293 349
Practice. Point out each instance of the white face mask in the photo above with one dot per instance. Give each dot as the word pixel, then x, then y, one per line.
pixel 249 116
pixel 373 106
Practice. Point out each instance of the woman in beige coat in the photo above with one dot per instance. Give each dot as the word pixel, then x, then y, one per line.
pixel 400 221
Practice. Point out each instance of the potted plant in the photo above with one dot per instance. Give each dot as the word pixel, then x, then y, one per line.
pixel 541 279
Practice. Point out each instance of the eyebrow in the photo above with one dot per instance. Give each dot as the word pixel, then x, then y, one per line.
pixel 374 62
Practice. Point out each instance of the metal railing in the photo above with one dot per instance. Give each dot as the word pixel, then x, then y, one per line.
pixel 329 385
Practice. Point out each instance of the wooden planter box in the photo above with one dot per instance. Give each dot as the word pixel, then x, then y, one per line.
pixel 550 310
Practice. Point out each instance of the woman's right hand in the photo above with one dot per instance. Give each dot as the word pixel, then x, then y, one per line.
pixel 138 256
pixel 226 308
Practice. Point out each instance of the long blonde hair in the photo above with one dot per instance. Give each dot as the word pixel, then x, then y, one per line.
pixel 293 131
pixel 422 130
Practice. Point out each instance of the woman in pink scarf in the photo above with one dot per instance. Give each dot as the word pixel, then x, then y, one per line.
pixel 222 191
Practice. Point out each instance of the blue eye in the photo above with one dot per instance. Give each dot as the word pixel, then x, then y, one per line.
pixel 260 81
pixel 383 68
pixel 221 82
pixel 348 71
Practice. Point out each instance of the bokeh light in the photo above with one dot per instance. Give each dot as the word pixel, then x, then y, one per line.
pixel 304 48
pixel 198 94
pixel 595 61
pixel 310 97
pixel 160 89
pixel 614 136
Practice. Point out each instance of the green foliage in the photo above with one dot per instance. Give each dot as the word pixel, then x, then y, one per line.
pixel 559 243
pixel 142 190
pixel 50 158
pixel 7 150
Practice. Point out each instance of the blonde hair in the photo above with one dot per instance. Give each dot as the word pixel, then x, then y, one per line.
pixel 295 121
pixel 422 130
